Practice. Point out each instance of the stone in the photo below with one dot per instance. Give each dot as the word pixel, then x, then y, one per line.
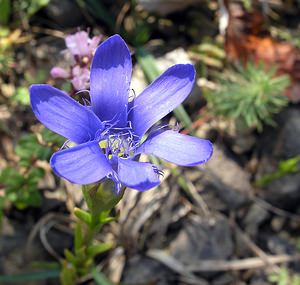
pixel 284 192
pixel 164 7
pixel 224 279
pixel 288 143
pixel 199 239
pixel 144 270
pixel 228 178
pixel 279 245
pixel 59 12
pixel 276 145
pixel 254 218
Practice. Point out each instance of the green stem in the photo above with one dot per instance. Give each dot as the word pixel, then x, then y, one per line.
pixel 100 199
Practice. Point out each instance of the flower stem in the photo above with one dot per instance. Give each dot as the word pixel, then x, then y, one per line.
pixel 100 199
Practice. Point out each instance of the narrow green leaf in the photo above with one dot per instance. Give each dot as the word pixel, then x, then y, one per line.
pixel 98 11
pixel 69 256
pixel 78 238
pixel 68 274
pixel 30 276
pixel 96 249
pixel 83 216
pixel 148 65
pixel 42 265
pixel 100 278
pixel 5 10
pixel 107 220
pixel 35 6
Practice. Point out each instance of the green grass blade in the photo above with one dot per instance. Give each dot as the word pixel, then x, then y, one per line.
pixel 98 11
pixel 5 11
pixel 30 276
pixel 100 278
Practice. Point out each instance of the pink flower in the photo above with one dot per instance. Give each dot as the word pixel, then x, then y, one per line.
pixel 79 53
pixel 80 78
pixel 58 72
pixel 79 44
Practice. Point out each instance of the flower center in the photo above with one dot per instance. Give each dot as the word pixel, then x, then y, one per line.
pixel 118 142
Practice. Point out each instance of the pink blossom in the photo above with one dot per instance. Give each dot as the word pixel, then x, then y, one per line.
pixel 58 72
pixel 80 77
pixel 81 45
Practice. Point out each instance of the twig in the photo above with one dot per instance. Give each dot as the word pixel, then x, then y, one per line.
pixel 275 210
pixel 49 32
pixel 173 264
pixel 121 15
pixel 255 249
pixel 200 203
pixel 240 264
pixel 40 224
pixel 43 237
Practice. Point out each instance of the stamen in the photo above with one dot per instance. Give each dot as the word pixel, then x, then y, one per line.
pixel 166 126
pixel 131 97
pixel 158 171
pixel 65 145
pixel 130 109
pixel 83 90
pixel 119 142
pixel 86 102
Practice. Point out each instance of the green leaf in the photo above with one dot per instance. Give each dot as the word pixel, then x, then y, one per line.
pixel 106 220
pixel 42 265
pixel 5 11
pixel 148 65
pixel 51 137
pixel 21 189
pixel 251 95
pixel 83 216
pixel 289 166
pixel 29 149
pixel 70 257
pixel 21 96
pixel 35 5
pixel 11 178
pixel 96 249
pixel 68 274
pixel 29 276
pixel 100 278
pixel 285 167
pixel 78 239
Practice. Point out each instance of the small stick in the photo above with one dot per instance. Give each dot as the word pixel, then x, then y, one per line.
pixel 241 264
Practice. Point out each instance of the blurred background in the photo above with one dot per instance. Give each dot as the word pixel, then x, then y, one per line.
pixel 234 220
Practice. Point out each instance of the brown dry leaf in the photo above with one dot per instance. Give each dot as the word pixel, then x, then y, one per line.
pixel 246 40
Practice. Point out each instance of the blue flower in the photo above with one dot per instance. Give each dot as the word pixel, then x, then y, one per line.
pixel 108 133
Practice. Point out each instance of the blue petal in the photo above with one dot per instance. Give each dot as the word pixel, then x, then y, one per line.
pixel 63 115
pixel 161 97
pixel 137 175
pixel 81 164
pixel 178 148
pixel 110 80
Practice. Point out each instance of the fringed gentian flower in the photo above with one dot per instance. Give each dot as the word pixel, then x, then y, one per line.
pixel 108 133
pixel 79 52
